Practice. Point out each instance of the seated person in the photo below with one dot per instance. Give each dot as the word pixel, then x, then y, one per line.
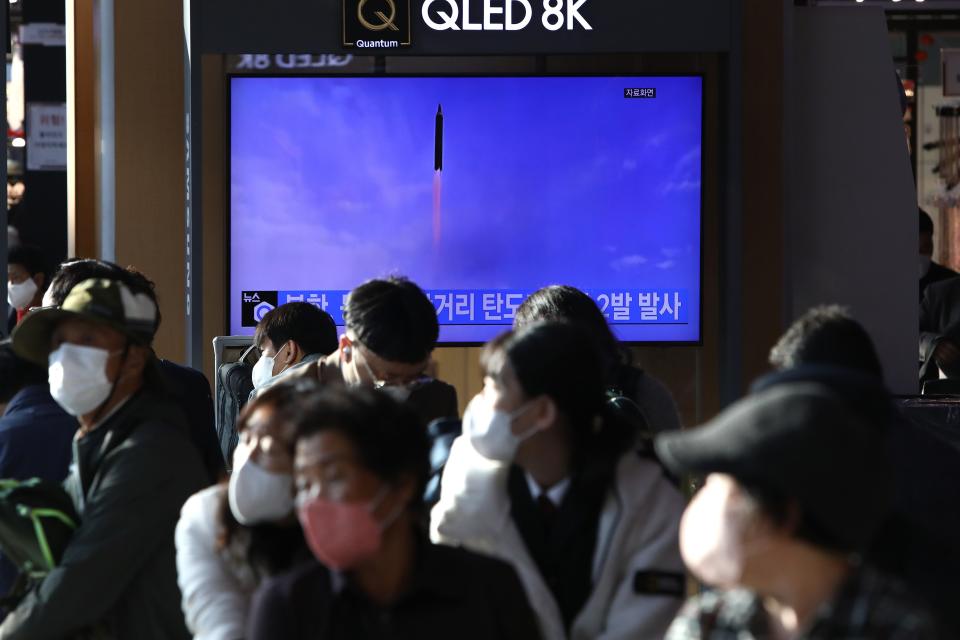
pixel 567 303
pixel 797 485
pixel 188 388
pixel 133 468
pixel 545 480
pixel 916 543
pixel 27 278
pixel 930 271
pixel 293 334
pixel 233 535
pixel 360 468
pixel 36 435
pixel 391 330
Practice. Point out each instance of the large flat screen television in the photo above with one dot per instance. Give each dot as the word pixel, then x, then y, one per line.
pixel 480 189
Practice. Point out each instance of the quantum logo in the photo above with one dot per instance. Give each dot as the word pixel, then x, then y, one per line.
pixel 390 19
pixel 386 22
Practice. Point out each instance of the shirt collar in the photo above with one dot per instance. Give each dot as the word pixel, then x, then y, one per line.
pixel 555 494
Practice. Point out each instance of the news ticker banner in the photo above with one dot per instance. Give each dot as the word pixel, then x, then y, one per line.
pixel 488 306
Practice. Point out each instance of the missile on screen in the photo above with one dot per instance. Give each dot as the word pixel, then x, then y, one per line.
pixel 438 141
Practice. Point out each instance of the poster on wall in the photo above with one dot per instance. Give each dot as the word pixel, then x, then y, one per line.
pixel 47 137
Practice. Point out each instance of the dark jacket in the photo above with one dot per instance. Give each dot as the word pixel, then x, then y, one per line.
pixel 190 390
pixel 36 439
pixel 936 273
pixel 131 475
pixel 454 594
pixel 939 317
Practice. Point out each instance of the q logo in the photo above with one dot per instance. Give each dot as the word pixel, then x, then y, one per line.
pixel 376 24
pixel 386 22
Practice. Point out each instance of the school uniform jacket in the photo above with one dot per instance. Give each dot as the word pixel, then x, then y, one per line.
pixel 638 583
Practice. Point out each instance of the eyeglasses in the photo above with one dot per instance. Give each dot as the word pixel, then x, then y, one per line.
pixel 380 382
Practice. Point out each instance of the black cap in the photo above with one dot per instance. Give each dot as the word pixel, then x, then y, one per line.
pixel 802 442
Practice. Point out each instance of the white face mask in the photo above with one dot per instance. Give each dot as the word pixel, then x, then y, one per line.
pixel 20 295
pixel 713 534
pixel 924 265
pixel 263 370
pixel 489 430
pixel 255 494
pixel 78 378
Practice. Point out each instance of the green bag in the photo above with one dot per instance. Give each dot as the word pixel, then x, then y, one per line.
pixel 37 519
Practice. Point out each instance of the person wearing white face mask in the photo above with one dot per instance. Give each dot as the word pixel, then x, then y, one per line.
pixel 27 278
pixel 797 487
pixel 391 330
pixel 547 478
pixel 289 338
pixel 133 467
pixel 233 535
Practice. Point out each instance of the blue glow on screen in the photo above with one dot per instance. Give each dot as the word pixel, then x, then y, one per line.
pixel 545 180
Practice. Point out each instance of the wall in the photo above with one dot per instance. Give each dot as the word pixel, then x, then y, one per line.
pixel 851 212
pixel 148 71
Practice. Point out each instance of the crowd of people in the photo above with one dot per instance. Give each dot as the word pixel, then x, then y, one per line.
pixel 561 510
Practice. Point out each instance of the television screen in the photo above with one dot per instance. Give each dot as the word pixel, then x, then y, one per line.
pixel 480 189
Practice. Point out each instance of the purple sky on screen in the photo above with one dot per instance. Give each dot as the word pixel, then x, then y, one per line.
pixel 545 180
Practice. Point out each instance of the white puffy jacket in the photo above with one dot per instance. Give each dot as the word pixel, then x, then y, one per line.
pixel 637 540
pixel 216 584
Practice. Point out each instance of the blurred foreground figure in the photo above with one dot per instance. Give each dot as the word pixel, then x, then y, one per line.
pixel 797 485
pixel 360 468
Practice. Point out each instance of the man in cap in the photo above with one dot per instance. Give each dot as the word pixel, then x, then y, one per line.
pixel 796 487
pixel 133 468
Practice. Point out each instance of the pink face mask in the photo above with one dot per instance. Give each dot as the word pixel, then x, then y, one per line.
pixel 342 534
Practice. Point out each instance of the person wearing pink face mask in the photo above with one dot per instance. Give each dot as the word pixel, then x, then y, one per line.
pixel 797 485
pixel 360 468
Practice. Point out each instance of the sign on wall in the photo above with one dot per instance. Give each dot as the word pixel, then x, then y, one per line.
pixel 47 136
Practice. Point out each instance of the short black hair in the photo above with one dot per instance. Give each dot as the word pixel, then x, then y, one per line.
pixel 562 302
pixel 784 511
pixel 17 373
pixel 310 327
pixel 559 359
pixel 827 335
pixel 30 258
pixel 394 318
pixel 76 270
pixel 926 222
pixel 389 438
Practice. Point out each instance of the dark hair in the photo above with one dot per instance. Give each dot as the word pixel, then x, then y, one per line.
pixel 76 270
pixel 273 548
pixel 389 438
pixel 310 327
pixel 30 258
pixel 393 318
pixel 827 335
pixel 926 222
pixel 17 373
pixel 559 360
pixel 562 302
pixel 784 511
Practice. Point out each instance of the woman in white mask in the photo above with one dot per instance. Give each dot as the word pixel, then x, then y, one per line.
pixel 233 535
pixel 546 478
pixel 27 279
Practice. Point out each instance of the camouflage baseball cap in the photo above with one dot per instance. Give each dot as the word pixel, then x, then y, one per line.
pixel 107 302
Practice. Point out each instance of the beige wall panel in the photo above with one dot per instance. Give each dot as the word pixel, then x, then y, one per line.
pixel 149 155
